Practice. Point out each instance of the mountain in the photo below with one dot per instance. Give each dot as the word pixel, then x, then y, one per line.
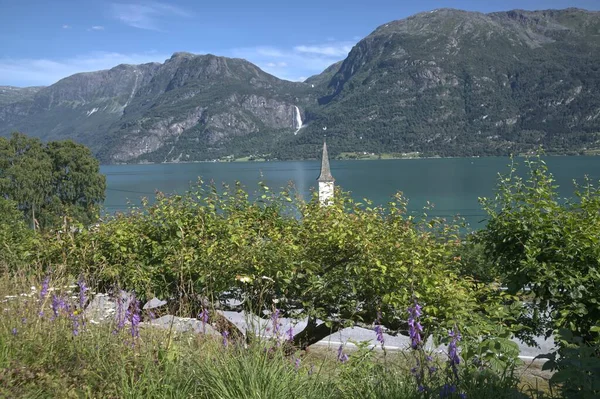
pixel 450 82
pixel 445 82
pixel 11 94
pixel 191 107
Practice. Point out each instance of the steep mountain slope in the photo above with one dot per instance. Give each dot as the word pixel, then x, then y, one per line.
pixel 192 107
pixel 11 94
pixel 445 82
pixel 451 82
pixel 82 106
pixel 203 107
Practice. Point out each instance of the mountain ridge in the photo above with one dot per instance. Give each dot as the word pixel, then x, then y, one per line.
pixel 445 82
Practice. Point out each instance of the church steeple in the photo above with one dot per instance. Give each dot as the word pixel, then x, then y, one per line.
pixel 325 175
pixel 325 179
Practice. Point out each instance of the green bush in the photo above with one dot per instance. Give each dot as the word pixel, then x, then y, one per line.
pixel 17 240
pixel 343 264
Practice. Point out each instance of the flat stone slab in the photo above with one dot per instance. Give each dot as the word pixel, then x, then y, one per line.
pixel 183 324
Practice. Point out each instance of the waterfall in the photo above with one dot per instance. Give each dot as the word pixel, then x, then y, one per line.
pixel 297 119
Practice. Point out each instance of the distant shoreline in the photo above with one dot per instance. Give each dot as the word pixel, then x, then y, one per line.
pixel 241 160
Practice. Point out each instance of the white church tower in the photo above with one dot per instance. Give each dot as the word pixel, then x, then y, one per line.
pixel 326 181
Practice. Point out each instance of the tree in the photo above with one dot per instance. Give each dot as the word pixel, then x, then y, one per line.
pixel 50 181
pixel 548 249
pixel 343 265
pixel 16 239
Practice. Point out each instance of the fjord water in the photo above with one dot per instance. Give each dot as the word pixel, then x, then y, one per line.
pixel 453 185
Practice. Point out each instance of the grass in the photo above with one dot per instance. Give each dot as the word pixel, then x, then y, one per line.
pixel 42 357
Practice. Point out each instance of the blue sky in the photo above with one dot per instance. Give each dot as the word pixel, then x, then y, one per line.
pixel 42 41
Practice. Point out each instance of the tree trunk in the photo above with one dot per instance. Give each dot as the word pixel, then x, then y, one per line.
pixel 313 333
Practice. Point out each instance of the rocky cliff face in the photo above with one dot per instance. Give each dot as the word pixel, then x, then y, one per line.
pixel 445 82
pixel 11 94
pixel 152 112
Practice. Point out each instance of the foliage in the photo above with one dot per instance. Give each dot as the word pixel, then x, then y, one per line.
pixel 548 250
pixel 341 264
pixel 547 247
pixel 42 356
pixel 578 365
pixel 17 241
pixel 49 182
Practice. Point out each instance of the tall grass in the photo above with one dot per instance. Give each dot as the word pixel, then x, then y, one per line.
pixel 65 354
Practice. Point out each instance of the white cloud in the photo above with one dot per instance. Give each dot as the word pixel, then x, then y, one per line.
pixel 146 15
pixel 293 63
pixel 97 27
pixel 340 50
pixel 297 62
pixel 40 71
pixel 65 26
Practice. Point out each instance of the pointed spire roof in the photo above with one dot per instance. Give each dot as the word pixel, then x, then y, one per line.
pixel 325 175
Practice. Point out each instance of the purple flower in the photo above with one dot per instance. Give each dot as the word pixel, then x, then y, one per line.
pixel 121 313
pixel 453 357
pixel 453 346
pixel 75 321
pixel 297 363
pixel 82 296
pixel 203 316
pixel 14 331
pixel 379 330
pixel 341 356
pixel 58 304
pixel 447 390
pixel 290 334
pixel 225 334
pixel 134 317
pixel 379 334
pixel 44 290
pixel 414 326
pixel 275 321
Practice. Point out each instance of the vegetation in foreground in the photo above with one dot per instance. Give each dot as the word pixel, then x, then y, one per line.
pixel 349 264
pixel 51 348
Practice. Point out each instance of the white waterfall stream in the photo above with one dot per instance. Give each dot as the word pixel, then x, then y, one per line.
pixel 297 120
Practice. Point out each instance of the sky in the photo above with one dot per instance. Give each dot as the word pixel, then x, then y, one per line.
pixel 42 41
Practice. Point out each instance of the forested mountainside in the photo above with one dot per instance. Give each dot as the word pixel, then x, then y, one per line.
pixel 445 82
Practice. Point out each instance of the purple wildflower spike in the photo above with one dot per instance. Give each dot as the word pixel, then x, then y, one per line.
pixel 135 318
pixel 58 304
pixel 44 290
pixel 414 326
pixel 453 357
pixel 290 334
pixel 121 313
pixel 275 321
pixel 297 363
pixel 14 331
pixel 225 334
pixel 341 356
pixel 82 295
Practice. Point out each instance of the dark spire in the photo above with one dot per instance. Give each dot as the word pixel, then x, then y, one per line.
pixel 325 175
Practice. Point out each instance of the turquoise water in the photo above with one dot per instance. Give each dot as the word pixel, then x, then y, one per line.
pixel 452 184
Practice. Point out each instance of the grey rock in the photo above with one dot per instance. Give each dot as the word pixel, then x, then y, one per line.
pixel 103 307
pixel 183 324
pixel 154 303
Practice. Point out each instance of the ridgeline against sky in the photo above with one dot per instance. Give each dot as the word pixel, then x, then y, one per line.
pixel 42 42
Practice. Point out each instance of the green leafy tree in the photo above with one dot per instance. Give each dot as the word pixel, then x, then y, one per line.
pixel 25 173
pixel 547 247
pixel 49 182
pixel 17 241
pixel 338 266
